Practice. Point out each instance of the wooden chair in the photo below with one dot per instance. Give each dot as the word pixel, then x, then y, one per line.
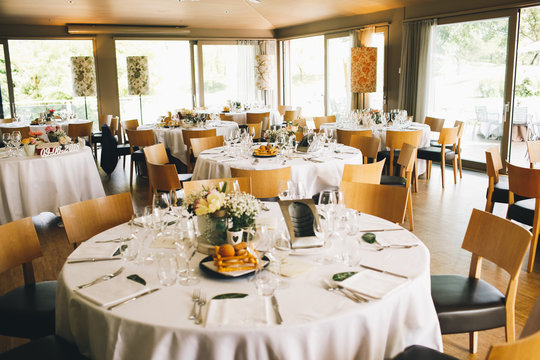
pixel 533 149
pixel 187 135
pixel 448 136
pixel 344 136
pixel 388 202
pixel 26 311
pixel 111 150
pixel 115 124
pixel 282 109
pixel 497 185
pixel 156 154
pixel 363 173
pixel 197 185
pixel 85 219
pixel 461 126
pixel 253 118
pixel 435 124
pixel 83 130
pixel 24 130
pixel 319 120
pixel 469 304
pixel 198 145
pixel 163 177
pixel 525 182
pixel 97 136
pixel 256 130
pixel 138 139
pixel 6 121
pixel 225 117
pixel 290 116
pixel 369 146
pixel 394 141
pixel 406 161
pixel 264 183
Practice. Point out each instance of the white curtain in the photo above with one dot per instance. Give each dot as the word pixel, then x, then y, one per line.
pixel 247 90
pixel 424 74
pixel 268 47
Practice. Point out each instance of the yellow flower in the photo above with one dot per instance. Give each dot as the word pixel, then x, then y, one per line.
pixel 201 207
pixel 215 200
pixel 25 141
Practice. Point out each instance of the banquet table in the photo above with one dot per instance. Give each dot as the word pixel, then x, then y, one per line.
pixel 31 185
pixel 322 170
pixel 173 140
pixel 380 132
pixel 317 324
pixel 240 117
pixel 41 127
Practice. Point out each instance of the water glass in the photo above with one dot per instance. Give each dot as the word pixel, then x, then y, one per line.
pixel 167 269
pixel 266 283
pixel 129 247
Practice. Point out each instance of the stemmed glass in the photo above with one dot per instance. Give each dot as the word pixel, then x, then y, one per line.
pixel 187 247
pixel 280 250
pixel 16 141
pixel 6 139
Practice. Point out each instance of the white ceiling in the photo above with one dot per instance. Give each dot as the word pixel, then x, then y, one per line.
pixel 209 14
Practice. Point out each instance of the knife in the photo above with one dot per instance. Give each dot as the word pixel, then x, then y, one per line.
pixel 383 271
pixel 75 261
pixel 133 298
pixel 379 230
pixel 275 306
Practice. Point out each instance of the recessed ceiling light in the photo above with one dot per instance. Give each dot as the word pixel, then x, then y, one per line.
pixel 255 1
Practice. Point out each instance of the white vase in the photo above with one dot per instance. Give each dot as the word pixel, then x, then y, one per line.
pixel 212 229
pixel 30 149
pixel 235 237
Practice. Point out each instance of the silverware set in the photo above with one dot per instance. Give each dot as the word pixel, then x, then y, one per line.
pixel 102 278
pixel 344 292
pixel 199 300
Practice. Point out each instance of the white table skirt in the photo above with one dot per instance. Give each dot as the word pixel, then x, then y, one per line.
pixel 317 324
pixel 31 185
pixel 314 176
pixel 174 141
pixel 381 133
pixel 241 118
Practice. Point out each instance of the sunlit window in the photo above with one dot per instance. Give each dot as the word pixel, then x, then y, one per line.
pixel 5 110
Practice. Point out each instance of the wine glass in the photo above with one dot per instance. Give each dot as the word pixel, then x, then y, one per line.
pixel 6 139
pixel 187 247
pixel 280 250
pixel 16 141
pixel 284 189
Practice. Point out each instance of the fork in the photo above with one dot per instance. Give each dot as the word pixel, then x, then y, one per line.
pixel 201 303
pixel 195 299
pixel 102 278
pixel 394 246
pixel 350 296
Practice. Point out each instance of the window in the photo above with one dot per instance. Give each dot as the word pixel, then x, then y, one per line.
pixel 5 111
pixel 338 91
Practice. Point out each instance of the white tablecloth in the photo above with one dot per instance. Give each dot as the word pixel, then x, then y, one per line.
pixel 317 324
pixel 174 141
pixel 31 185
pixel 315 176
pixel 41 128
pixel 240 117
pixel 381 133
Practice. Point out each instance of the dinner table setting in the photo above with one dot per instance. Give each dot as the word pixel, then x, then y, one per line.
pixel 358 287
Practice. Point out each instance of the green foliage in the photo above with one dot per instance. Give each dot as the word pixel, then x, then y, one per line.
pixel 488 88
pixel 527 88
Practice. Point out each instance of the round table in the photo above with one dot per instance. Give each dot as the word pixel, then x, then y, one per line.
pixel 316 173
pixel 31 185
pixel 317 324
pixel 174 141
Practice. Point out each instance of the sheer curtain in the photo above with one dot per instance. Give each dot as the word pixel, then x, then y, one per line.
pixel 413 83
pixel 268 47
pixel 247 91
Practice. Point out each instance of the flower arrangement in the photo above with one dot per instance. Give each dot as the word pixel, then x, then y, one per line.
pixel 29 141
pixel 190 116
pixel 56 134
pixel 49 116
pixel 241 209
pixel 375 115
pixel 273 135
pixel 206 201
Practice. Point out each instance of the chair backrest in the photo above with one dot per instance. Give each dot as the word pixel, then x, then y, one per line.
pixel 290 116
pixel 525 348
pixel 407 159
pixel 282 109
pixel 255 129
pixel 128 125
pixel 363 173
pixel 396 138
pixel 386 201
pixel 115 123
pixel 105 119
pixel 6 121
pixel 156 154
pixel 264 183
pixel 448 136
pixel 226 117
pixel 252 118
pixel 85 219
pixel 193 186
pixel 435 124
pixel 198 145
pixel 533 149
pixel 24 130
pixel 319 120
pixel 523 181
pixel 140 138
pixel 344 136
pixel 493 163
pixel 369 146
pixel 80 130
pixel 19 245
pixel 163 177
pixel 188 134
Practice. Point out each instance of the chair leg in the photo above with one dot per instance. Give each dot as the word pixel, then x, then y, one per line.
pixel 489 203
pixel 428 170
pixel 415 175
pixel 459 163
pixel 130 174
pixel 510 331
pixel 454 168
pixel 534 240
pixel 473 342
pixel 409 210
pixel 443 165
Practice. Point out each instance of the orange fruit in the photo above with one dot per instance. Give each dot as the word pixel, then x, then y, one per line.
pixel 226 250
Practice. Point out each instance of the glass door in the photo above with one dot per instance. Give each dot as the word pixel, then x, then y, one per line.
pixel 338 75
pixel 471 80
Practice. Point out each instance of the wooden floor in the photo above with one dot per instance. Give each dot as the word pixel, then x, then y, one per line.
pixel 440 219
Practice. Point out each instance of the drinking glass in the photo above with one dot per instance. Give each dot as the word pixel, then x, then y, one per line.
pixel 160 201
pixel 167 269
pixel 16 141
pixel 6 139
pixel 280 250
pixel 129 247
pixel 235 186
pixel 266 283
pixel 284 189
pixel 186 248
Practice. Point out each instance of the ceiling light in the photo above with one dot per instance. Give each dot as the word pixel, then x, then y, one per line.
pixel 255 1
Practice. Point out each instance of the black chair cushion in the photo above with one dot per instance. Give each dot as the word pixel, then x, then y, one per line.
pixel 51 347
pixel 522 211
pixel 270 199
pixel 28 311
pixel 385 154
pixel 418 352
pixel 123 149
pixel 465 304
pixel 393 180
pixel 97 137
pixel 434 154
pixel 138 155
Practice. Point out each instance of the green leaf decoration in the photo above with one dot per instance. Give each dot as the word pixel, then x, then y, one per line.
pixel 369 237
pixel 344 275
pixel 137 279
pixel 170 223
pixel 120 250
pixel 230 296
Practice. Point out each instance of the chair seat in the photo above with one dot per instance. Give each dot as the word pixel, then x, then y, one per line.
pixel 185 177
pixel 28 311
pixel 419 352
pixel 138 155
pixel 123 149
pixel 435 143
pixel 51 347
pixel 522 211
pixel 434 154
pixel 500 192
pixel 393 180
pixel 465 304
pixel 97 137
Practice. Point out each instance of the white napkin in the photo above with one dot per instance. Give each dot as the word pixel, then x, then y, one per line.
pixel 95 251
pixel 112 291
pixel 249 311
pixel 373 283
pixel 368 223
pixel 292 268
pixel 395 238
pixel 307 242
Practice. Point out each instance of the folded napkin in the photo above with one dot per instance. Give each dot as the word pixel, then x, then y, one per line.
pixel 307 242
pixel 368 223
pixel 112 291
pixel 249 311
pixel 292 268
pixel 395 238
pixel 373 283
pixel 95 250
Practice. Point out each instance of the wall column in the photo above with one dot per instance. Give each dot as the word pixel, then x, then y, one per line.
pixel 106 75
